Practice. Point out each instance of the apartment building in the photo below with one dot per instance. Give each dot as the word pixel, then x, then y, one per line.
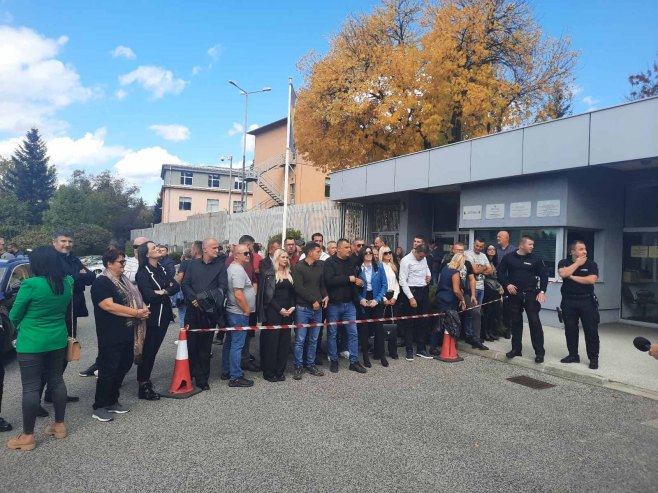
pixel 306 183
pixel 189 190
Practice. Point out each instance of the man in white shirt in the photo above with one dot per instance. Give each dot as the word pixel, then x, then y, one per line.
pixel 415 277
pixel 481 268
pixel 132 263
pixel 318 239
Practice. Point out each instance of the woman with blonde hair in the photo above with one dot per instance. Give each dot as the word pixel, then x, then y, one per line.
pixel 449 293
pixel 275 307
pixel 392 293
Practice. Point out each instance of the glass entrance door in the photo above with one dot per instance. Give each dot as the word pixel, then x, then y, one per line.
pixel 640 277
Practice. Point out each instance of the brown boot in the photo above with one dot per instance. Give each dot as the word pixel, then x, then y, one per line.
pixel 22 442
pixel 57 430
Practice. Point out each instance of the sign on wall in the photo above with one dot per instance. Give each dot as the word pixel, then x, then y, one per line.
pixel 548 208
pixel 494 211
pixel 472 212
pixel 519 209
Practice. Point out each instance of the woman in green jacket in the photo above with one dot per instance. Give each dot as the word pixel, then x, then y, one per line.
pixel 38 314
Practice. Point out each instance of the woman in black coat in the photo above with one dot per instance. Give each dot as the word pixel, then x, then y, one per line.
pixel 276 305
pixel 156 286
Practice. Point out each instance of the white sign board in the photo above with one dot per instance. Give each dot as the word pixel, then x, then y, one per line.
pixel 519 209
pixel 548 208
pixel 494 211
pixel 472 212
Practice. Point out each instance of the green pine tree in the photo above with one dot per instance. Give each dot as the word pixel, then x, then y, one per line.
pixel 29 176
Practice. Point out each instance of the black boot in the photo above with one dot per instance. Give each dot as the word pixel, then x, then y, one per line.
pixel 146 392
pixel 366 361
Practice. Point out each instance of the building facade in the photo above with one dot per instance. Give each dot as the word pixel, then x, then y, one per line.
pixel 189 190
pixel 306 182
pixel 591 177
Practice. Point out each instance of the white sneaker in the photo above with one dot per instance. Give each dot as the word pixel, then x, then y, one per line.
pixel 345 354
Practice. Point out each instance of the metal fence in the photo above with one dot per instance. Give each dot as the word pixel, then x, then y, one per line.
pixel 334 220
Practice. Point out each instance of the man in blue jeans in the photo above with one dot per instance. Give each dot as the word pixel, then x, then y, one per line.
pixel 311 295
pixel 341 279
pixel 241 302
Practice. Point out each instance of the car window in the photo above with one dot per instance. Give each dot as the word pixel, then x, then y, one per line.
pixel 19 273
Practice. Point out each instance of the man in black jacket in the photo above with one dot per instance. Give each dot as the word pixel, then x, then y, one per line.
pixel 518 273
pixel 204 274
pixel 82 277
pixel 341 279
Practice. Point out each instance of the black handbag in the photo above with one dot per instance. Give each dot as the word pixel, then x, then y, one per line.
pixel 212 302
pixel 492 284
pixel 450 323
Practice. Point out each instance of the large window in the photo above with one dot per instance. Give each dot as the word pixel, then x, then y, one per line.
pixel 212 205
pixel 186 177
pixel 184 203
pixel 545 242
pixel 237 206
pixel 213 181
pixel 237 184
pixel 640 277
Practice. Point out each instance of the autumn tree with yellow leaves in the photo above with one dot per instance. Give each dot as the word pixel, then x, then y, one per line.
pixel 414 75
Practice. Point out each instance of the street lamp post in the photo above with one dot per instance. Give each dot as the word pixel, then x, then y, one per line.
pixel 230 180
pixel 246 94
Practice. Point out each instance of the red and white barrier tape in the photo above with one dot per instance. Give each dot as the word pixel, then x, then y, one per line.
pixel 345 322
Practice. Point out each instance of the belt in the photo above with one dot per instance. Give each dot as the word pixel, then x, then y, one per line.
pixel 417 287
pixel 577 296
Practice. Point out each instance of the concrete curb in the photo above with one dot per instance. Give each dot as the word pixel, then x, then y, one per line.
pixel 558 371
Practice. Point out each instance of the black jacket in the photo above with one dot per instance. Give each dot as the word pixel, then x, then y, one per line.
pixel 266 287
pixel 73 267
pixel 200 276
pixel 337 274
pixel 150 279
pixel 523 271
pixel 169 265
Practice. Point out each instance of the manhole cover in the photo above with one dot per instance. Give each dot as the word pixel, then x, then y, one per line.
pixel 533 383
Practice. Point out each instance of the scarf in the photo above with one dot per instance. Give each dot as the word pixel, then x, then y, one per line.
pixel 132 298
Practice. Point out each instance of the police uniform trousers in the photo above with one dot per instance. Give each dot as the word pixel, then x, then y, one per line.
pixel 526 300
pixel 583 308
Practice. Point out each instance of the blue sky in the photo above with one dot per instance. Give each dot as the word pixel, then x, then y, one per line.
pixel 129 85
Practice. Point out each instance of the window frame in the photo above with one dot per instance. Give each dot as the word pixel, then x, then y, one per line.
pixel 182 201
pixel 212 178
pixel 215 201
pixel 185 176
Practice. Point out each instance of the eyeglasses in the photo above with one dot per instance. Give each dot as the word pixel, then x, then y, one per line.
pixel 122 262
pixel 387 253
pixel 360 245
pixel 368 252
pixel 246 254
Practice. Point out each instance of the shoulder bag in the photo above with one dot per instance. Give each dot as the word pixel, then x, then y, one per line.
pixel 73 347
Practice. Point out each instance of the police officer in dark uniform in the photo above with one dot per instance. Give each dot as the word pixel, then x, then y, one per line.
pixel 579 274
pixel 518 273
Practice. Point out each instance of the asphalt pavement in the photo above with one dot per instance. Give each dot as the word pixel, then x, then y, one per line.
pixel 421 426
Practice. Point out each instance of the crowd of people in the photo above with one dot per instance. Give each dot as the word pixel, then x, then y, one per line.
pixel 135 298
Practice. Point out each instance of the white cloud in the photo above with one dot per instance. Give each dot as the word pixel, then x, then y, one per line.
pixel 156 80
pixel 236 129
pixel 196 70
pixel 34 83
pixel 7 147
pixel 215 52
pixel 90 150
pixel 123 52
pixel 144 165
pixel 175 133
pixel 121 94
pixel 590 102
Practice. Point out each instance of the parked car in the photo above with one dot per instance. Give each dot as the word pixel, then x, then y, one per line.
pixel 96 267
pixel 12 273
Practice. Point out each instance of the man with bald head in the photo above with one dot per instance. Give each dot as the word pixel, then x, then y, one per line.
pixel 505 248
pixel 204 275
pixel 132 263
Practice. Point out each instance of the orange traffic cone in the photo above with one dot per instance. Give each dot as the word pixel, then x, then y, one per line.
pixel 181 382
pixel 449 350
